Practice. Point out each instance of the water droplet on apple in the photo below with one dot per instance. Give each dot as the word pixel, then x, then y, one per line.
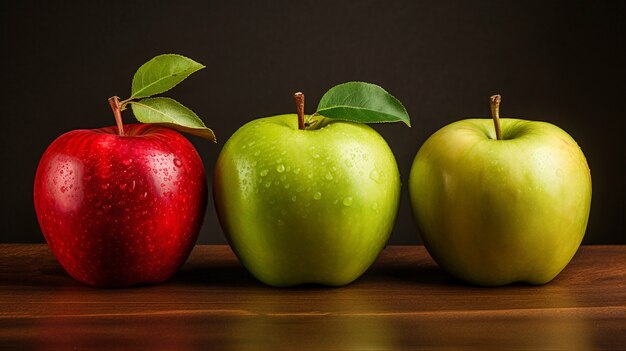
pixel 257 153
pixel 296 171
pixel 127 161
pixel 375 206
pixel 263 173
pixel 283 177
pixel 132 186
pixel 122 186
pixel 267 185
pixel 329 176
pixel 63 188
pixel 281 222
pixel 294 198
pixel 287 186
pixel 317 195
pixel 347 201
pixel 316 155
pixel 178 163
pixel 280 168
pixel 375 176
pixel 104 186
pixel 144 195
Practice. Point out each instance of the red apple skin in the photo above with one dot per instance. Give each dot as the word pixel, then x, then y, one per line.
pixel 121 210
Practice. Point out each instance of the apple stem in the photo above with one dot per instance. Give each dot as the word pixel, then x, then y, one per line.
pixel 299 98
pixel 114 102
pixel 495 114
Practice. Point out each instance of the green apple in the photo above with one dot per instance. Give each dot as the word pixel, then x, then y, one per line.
pixel 306 205
pixel 492 211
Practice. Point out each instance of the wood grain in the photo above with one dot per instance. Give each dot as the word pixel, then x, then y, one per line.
pixel 403 302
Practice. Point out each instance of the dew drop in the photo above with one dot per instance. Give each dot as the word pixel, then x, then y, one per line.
pixel 281 222
pixel 263 173
pixel 287 186
pixel 294 198
pixel 127 161
pixel 280 168
pixel 296 171
pixel 317 195
pixel 177 163
pixel 347 201
pixel 104 186
pixel 257 153
pixel 316 155
pixel 123 186
pixel 329 176
pixel 63 188
pixel 375 206
pixel 132 187
pixel 267 184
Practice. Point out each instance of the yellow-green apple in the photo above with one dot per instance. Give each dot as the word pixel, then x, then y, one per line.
pixel 504 204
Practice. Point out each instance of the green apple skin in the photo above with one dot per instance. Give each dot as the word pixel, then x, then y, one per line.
pixel 306 206
pixel 492 212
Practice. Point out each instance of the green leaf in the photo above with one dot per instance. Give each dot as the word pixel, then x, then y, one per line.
pixel 171 113
pixel 363 103
pixel 161 74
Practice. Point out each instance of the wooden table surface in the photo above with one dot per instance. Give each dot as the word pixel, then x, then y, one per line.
pixel 403 302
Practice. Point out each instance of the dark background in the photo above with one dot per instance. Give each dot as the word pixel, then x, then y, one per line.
pixel 558 61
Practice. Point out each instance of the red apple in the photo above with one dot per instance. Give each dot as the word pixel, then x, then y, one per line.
pixel 121 210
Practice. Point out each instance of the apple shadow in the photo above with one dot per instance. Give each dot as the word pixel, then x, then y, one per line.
pixel 415 274
pixel 216 275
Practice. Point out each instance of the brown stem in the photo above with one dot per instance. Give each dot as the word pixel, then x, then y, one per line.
pixel 299 98
pixel 114 102
pixel 495 114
